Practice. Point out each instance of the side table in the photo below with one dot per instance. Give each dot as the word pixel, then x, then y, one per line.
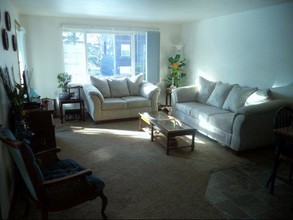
pixel 168 96
pixel 71 101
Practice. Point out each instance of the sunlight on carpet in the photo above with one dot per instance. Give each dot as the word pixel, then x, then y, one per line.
pixel 129 134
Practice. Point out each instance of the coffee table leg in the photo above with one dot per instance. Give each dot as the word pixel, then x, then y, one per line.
pixel 192 141
pixel 139 123
pixel 152 132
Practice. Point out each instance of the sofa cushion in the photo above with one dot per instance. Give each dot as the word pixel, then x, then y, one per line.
pixel 137 101
pixel 186 107
pixel 223 121
pixel 203 111
pixel 237 97
pixel 259 96
pixel 219 94
pixel 114 103
pixel 134 84
pixel 102 85
pixel 205 89
pixel 118 87
pixel 147 89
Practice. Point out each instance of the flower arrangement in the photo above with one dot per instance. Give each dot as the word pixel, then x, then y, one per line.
pixel 15 93
pixel 176 67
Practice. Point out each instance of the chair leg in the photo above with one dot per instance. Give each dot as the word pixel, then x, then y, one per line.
pixel 104 204
pixel 273 176
pixel 276 163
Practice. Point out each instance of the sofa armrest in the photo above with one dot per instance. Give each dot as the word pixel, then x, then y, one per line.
pixel 148 89
pixel 184 94
pixel 90 89
pixel 271 105
pixel 253 125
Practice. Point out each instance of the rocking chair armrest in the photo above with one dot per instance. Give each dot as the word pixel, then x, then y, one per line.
pixel 47 157
pixel 49 151
pixel 70 178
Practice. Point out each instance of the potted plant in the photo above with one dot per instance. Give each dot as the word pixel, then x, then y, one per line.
pixel 16 95
pixel 176 74
pixel 63 80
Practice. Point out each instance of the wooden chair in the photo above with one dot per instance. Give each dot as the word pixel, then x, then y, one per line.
pixel 283 123
pixel 53 184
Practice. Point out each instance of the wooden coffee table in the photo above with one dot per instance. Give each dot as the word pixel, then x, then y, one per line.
pixel 169 127
pixel 147 117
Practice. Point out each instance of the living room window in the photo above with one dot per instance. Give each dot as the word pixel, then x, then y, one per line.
pixel 106 53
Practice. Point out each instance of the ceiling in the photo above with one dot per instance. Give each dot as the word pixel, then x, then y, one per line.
pixel 170 11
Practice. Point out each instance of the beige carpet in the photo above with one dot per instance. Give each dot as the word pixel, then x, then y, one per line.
pixel 142 182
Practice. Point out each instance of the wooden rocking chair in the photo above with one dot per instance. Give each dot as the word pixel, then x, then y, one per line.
pixel 53 184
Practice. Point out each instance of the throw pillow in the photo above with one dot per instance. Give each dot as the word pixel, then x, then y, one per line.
pixel 237 97
pixel 219 94
pixel 205 89
pixel 134 84
pixel 102 85
pixel 259 96
pixel 118 87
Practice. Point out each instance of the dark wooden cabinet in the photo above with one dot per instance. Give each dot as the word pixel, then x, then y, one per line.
pixel 40 122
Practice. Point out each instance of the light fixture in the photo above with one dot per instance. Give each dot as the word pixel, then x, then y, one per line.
pixel 179 47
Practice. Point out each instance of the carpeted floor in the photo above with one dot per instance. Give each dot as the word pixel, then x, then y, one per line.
pixel 142 182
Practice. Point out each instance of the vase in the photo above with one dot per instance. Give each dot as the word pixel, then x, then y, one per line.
pixel 63 95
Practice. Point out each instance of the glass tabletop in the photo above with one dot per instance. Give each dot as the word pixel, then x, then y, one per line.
pixel 159 115
pixel 172 124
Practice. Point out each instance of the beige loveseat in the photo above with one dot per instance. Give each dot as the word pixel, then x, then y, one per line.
pixel 235 116
pixel 119 98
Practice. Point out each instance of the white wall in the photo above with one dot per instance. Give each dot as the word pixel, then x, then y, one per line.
pixel 253 48
pixel 9 59
pixel 45 53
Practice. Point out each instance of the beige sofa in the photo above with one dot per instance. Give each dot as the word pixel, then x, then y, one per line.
pixel 235 116
pixel 119 98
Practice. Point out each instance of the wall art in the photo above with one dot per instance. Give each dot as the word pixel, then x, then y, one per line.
pixel 5 40
pixel 7 21
pixel 14 42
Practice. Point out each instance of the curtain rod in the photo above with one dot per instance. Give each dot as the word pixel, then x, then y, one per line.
pixel 108 28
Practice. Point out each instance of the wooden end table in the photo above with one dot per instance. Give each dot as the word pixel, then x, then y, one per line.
pixel 71 101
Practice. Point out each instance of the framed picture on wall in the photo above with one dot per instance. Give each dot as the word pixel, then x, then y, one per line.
pixel 5 40
pixel 7 21
pixel 14 42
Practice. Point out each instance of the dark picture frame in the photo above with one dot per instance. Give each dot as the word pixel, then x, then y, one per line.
pixel 7 21
pixel 14 42
pixel 5 40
